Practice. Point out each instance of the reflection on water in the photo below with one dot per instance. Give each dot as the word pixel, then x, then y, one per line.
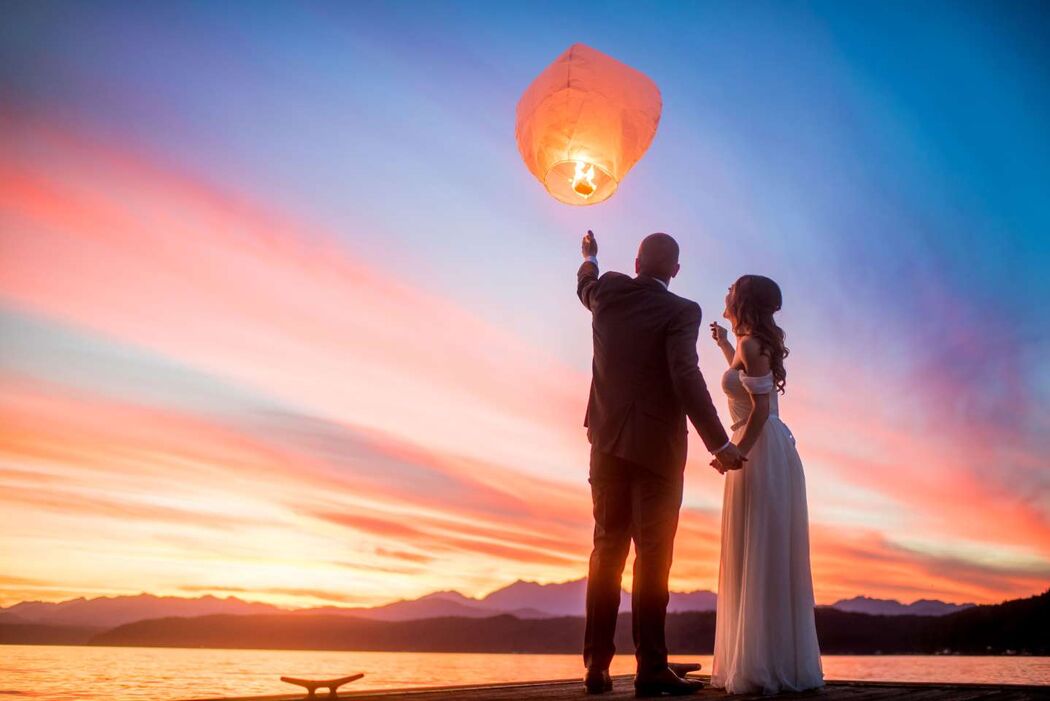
pixel 58 673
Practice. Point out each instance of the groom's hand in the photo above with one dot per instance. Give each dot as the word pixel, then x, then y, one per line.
pixel 729 458
pixel 589 245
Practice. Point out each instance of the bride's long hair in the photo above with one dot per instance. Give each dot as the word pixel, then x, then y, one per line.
pixel 751 306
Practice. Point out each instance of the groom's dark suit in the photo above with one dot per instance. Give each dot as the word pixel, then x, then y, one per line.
pixel 645 382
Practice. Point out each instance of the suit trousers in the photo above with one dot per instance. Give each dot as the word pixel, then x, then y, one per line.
pixel 631 502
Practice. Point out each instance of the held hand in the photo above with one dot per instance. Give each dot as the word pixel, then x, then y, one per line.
pixel 722 469
pixel 589 245
pixel 719 333
pixel 730 458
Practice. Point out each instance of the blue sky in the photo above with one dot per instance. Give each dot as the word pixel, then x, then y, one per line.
pixel 886 163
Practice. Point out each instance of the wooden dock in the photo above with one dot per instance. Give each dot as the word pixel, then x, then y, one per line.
pixel 623 689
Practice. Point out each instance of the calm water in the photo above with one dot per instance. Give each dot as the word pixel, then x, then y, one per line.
pixel 54 673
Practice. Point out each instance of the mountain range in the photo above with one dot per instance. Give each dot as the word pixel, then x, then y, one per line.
pixel 891 607
pixel 523 600
pixel 1013 627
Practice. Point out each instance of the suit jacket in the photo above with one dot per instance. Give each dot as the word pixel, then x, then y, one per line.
pixel 646 377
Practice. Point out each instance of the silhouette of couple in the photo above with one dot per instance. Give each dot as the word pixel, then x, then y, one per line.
pixel 646 381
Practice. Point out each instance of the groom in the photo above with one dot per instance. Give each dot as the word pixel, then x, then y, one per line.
pixel 645 382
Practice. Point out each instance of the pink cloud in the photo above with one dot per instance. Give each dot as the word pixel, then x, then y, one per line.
pixel 142 255
pixel 415 432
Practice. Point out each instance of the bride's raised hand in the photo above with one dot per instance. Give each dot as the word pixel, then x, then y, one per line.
pixel 721 336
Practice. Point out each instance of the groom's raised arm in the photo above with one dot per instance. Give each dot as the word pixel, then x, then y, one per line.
pixel 587 275
pixel 587 281
pixel 688 382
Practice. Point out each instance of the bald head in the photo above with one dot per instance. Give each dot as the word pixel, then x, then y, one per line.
pixel 657 257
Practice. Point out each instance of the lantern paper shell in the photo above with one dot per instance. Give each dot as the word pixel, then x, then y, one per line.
pixel 584 122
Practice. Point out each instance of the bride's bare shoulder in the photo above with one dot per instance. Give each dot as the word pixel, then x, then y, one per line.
pixel 754 357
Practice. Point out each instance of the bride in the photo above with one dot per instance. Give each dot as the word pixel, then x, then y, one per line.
pixel 765 636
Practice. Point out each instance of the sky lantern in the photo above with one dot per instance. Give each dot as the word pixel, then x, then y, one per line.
pixel 584 122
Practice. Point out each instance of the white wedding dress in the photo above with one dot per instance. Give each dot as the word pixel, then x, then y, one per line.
pixel 765 636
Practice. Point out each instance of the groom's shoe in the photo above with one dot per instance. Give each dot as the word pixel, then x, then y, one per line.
pixel 683 668
pixel 665 682
pixel 597 681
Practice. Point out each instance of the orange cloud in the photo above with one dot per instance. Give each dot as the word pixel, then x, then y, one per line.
pixel 381 438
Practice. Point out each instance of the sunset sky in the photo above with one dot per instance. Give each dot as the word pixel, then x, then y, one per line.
pixel 284 316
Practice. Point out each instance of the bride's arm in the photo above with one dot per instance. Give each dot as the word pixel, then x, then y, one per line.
pixel 721 336
pixel 756 365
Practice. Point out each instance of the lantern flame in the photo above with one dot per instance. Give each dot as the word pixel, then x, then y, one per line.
pixel 583 181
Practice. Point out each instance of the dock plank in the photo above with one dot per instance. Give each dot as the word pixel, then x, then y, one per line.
pixel 572 690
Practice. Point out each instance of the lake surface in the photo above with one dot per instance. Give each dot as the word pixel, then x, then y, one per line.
pixel 60 673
